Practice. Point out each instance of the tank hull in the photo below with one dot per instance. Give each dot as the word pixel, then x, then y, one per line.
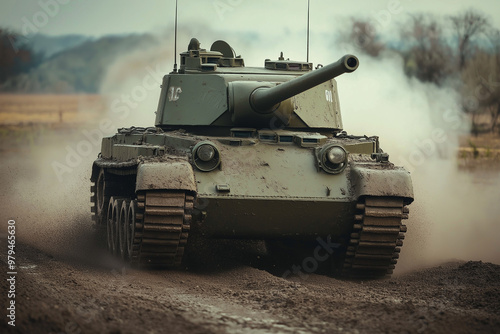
pixel 272 190
pixel 273 218
pixel 252 184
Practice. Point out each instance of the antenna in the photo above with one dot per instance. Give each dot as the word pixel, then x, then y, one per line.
pixel 175 40
pixel 308 4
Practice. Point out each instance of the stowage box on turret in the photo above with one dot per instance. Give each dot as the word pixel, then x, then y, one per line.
pixel 255 153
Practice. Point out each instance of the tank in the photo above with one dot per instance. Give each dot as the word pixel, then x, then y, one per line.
pixel 251 153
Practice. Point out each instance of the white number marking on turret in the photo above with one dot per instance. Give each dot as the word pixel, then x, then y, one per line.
pixel 329 95
pixel 173 93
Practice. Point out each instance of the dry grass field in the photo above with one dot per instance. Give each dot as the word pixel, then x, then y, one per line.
pixel 22 109
pixel 26 120
pixel 483 147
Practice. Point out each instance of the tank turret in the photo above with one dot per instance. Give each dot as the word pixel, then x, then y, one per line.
pixel 214 88
pixel 265 100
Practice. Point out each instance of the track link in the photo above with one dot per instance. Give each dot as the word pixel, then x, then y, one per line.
pixel 377 237
pixel 162 224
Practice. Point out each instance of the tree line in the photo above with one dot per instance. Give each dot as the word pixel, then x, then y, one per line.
pixel 16 56
pixel 460 51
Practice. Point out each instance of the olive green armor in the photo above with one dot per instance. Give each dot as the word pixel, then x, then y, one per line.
pixel 255 153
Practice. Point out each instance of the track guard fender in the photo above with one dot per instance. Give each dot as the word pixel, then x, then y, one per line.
pixel 386 181
pixel 95 172
pixel 176 174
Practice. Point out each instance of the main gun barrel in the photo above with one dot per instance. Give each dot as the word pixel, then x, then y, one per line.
pixel 264 99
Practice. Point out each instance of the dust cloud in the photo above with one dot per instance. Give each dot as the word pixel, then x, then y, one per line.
pixel 131 84
pixel 51 214
pixel 454 216
pixel 456 213
pixel 46 185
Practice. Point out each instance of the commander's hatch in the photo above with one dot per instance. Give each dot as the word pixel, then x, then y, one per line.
pixel 220 54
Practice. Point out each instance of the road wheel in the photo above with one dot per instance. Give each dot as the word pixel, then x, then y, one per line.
pixel 110 229
pixel 113 223
pixel 130 232
pixel 123 225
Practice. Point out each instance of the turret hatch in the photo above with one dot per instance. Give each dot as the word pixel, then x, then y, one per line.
pixel 198 59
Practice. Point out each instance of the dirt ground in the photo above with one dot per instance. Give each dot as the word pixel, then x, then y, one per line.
pixel 242 293
pixel 67 284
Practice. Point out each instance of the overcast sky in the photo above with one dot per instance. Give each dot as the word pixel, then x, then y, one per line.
pixel 98 17
pixel 256 29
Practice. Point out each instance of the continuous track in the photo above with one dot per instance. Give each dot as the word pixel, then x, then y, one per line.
pixel 162 224
pixel 377 237
pixel 151 230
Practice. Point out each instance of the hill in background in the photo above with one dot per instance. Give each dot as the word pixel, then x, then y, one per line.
pixel 50 45
pixel 73 63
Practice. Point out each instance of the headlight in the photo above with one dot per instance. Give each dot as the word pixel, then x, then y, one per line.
pixel 336 155
pixel 205 152
pixel 206 156
pixel 332 158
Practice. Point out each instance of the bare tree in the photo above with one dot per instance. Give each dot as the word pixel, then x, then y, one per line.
pixel 364 36
pixel 494 79
pixel 481 88
pixel 427 56
pixel 15 57
pixel 468 26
